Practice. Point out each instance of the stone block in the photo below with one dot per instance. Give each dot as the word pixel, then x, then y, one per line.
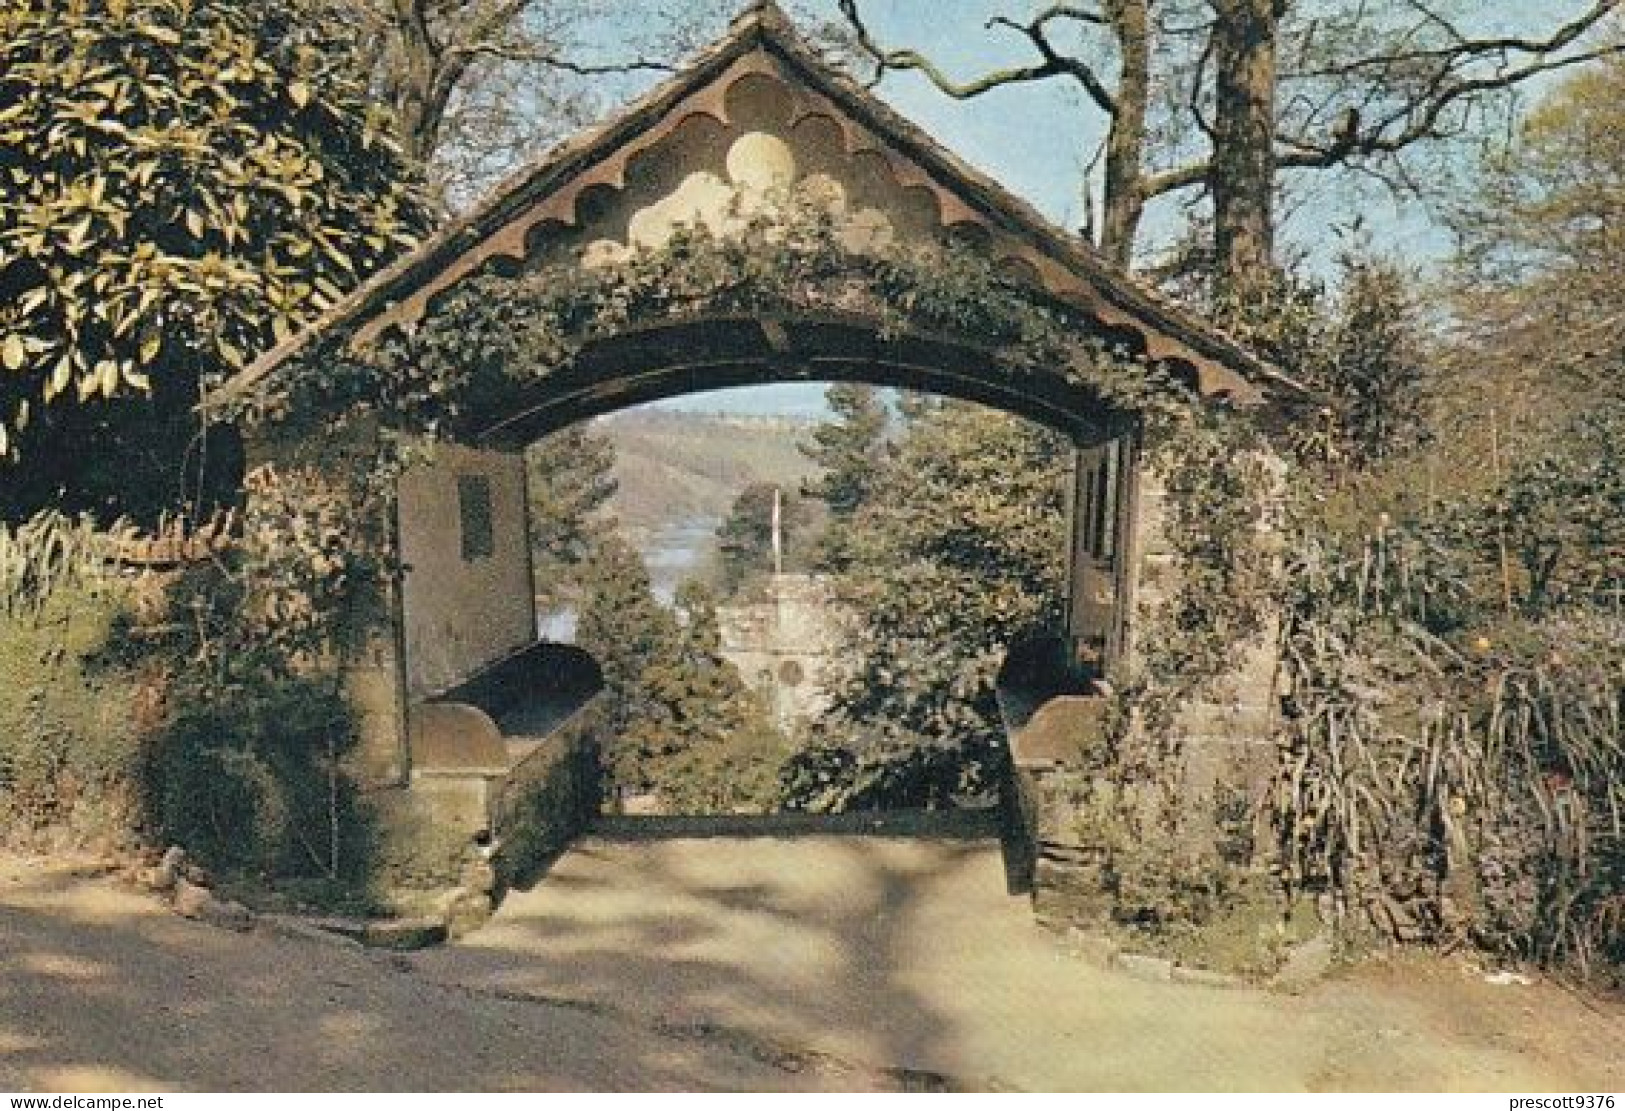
pixel 461 803
pixel 200 904
pixel 189 899
pixel 292 925
pixel 163 876
pixel 1306 963
pixel 1183 974
pixel 1096 948
pixel 1142 967
pixel 480 876
pixel 467 912
pixel 1070 904
pixel 404 933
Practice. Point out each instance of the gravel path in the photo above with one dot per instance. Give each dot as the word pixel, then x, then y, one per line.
pixel 732 962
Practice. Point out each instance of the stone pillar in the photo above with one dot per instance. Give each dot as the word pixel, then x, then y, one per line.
pixel 1058 716
pixel 1227 731
pixel 1048 787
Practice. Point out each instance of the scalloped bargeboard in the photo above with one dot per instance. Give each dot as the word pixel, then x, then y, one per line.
pixel 755 118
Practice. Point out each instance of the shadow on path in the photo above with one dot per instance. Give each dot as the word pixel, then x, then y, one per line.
pixel 101 989
pixel 788 930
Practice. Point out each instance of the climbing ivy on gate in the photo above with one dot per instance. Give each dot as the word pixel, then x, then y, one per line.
pixel 531 325
pixel 404 390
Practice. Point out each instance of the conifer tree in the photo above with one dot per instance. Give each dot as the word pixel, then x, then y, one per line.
pixel 850 448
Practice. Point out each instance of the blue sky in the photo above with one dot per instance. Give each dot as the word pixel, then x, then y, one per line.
pixel 1036 139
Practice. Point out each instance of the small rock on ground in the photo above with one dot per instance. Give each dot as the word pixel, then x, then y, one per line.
pixel 192 901
pixel 1146 968
pixel 1306 963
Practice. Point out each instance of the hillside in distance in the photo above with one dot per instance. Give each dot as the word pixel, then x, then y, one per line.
pixel 675 467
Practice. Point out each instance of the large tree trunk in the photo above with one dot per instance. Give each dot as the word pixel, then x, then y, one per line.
pixel 417 79
pixel 1242 173
pixel 1125 142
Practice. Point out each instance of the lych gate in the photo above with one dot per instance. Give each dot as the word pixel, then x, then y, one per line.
pixel 755 119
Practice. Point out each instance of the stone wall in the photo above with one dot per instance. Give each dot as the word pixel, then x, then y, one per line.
pixel 784 639
pixel 1227 733
pixel 1226 748
pixel 467 595
pixel 547 800
pixel 1044 797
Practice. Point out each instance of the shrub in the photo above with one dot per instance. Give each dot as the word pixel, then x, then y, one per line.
pixel 1456 787
pixel 251 779
pixel 69 745
pixel 69 710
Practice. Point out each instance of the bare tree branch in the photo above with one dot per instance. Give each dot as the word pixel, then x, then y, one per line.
pixel 1464 51
pixel 1187 176
pixel 1423 118
pixel 552 59
pixel 1053 63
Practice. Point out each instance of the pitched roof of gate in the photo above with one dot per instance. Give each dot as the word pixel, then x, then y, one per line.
pixel 561 188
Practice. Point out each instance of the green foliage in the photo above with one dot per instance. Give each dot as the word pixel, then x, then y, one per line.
pixel 248 767
pixel 70 716
pixel 678 721
pixel 569 480
pixel 1446 788
pixel 958 553
pixel 731 752
pixel 1451 752
pixel 46 554
pixel 1220 483
pixel 1357 343
pixel 1375 368
pixel 737 773
pixel 629 633
pixel 254 783
pixel 745 537
pixel 1536 283
pixel 1551 532
pixel 850 451
pixel 1537 313
pixel 181 185
pixel 1531 534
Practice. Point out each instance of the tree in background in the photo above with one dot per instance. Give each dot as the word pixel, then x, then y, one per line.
pixel 1494 440
pixel 1469 603
pixel 570 480
pixel 1356 340
pixel 675 710
pixel 958 552
pixel 479 85
pixel 745 537
pixel 732 753
pixel 1535 287
pixel 850 449
pixel 1524 477
pixel 1227 96
pixel 628 631
pixel 181 185
pixel 1379 370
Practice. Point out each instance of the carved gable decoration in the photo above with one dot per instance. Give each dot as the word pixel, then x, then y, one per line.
pixel 753 120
